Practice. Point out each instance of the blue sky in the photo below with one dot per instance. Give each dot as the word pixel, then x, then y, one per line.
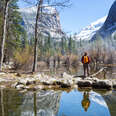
pixel 82 13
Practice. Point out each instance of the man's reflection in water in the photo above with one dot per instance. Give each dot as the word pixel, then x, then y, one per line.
pixel 85 102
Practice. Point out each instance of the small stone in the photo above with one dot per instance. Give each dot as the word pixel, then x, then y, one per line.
pixel 19 87
pixel 18 74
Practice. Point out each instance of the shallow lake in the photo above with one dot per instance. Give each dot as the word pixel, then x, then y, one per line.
pixel 57 103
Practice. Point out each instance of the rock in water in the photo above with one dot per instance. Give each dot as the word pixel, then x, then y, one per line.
pixel 102 84
pixel 84 83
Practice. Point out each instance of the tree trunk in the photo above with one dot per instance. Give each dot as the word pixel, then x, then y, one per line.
pixel 36 38
pixel 2 103
pixel 35 104
pixel 4 33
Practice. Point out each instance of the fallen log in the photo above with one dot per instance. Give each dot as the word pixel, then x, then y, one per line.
pixel 93 75
pixel 101 70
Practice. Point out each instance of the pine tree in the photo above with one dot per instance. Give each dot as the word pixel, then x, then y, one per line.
pixel 15 35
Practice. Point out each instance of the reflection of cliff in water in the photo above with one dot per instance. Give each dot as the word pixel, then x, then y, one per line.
pixel 42 103
pixel 111 102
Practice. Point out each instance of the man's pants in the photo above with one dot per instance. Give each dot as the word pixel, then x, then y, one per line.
pixel 86 69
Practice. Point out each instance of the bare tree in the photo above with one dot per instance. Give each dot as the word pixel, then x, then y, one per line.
pixel 36 38
pixel 4 32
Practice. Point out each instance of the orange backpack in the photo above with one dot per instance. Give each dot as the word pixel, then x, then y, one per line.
pixel 86 59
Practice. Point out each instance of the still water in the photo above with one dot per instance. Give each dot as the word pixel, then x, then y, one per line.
pixel 52 103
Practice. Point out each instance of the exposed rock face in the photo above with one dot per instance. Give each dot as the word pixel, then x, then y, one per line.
pixel 110 23
pixel 49 23
pixel 109 27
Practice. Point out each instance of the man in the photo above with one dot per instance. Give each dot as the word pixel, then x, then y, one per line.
pixel 85 60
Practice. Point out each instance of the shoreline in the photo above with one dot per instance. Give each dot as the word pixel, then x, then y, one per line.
pixel 40 81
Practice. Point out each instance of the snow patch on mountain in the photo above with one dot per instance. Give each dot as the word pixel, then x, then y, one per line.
pixel 88 32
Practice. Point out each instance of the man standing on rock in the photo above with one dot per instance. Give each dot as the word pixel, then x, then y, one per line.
pixel 85 60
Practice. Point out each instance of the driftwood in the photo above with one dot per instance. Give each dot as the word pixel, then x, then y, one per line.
pixel 101 70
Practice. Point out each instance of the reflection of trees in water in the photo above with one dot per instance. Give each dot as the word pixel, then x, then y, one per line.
pixel 43 103
pixel 9 102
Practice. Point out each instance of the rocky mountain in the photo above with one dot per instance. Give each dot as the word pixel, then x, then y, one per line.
pixel 87 32
pixel 49 23
pixel 109 27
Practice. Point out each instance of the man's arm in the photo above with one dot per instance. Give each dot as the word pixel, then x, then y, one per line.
pixel 82 59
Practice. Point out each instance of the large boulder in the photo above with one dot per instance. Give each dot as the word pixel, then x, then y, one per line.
pixel 102 84
pixel 84 83
pixel 62 84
